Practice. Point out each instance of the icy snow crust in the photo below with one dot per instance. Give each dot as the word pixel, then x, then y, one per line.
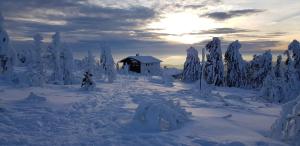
pixel 66 115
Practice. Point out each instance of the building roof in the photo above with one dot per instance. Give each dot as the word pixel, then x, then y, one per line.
pixel 143 59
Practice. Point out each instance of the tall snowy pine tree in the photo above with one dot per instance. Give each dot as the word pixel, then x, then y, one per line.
pixel 67 65
pixel 295 48
pixel 236 66
pixel 214 69
pixel 55 49
pixel 107 64
pixel 258 69
pixel 191 66
pixel 7 53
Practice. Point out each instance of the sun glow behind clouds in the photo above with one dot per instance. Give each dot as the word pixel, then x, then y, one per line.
pixel 183 27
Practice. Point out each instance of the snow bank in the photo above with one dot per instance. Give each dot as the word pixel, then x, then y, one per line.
pixel 287 127
pixel 160 115
pixel 33 98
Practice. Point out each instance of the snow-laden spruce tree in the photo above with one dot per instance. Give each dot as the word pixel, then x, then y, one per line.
pixel 278 67
pixel 258 69
pixel 287 127
pixel 67 65
pixel 90 63
pixel 55 50
pixel 107 64
pixel 191 66
pixel 294 46
pixel 7 53
pixel 290 77
pixel 35 67
pixel 274 89
pixel 214 69
pixel 236 66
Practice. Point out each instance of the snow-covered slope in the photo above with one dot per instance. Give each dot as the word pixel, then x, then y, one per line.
pixel 66 115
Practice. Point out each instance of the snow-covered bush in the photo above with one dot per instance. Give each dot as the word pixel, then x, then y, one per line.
pixel 87 82
pixel 108 65
pixel 167 78
pixel 191 66
pixel 236 66
pixel 159 115
pixel 7 53
pixel 287 127
pixel 214 68
pixel 258 69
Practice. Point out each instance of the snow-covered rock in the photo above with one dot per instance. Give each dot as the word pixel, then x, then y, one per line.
pixel 287 127
pixel 159 115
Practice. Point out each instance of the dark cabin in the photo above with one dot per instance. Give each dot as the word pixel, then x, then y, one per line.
pixel 142 64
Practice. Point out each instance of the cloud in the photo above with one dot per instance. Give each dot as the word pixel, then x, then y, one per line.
pixel 221 16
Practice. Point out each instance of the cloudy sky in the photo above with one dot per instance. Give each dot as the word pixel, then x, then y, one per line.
pixel 164 28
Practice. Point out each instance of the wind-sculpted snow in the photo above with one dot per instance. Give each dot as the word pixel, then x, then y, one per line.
pixel 65 115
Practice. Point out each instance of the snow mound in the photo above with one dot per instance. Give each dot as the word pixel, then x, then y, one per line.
pixel 287 127
pixel 160 115
pixel 33 98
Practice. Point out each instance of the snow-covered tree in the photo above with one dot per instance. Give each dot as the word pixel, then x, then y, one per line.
pixel 191 66
pixel 258 69
pixel 55 50
pixel 287 127
pixel 90 63
pixel 67 65
pixel 281 87
pixel 35 66
pixel 87 82
pixel 7 53
pixel 294 46
pixel 274 89
pixel 278 67
pixel 236 66
pixel 107 64
pixel 214 69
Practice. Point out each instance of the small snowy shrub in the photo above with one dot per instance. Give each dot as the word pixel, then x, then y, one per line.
pixel 287 127
pixel 160 115
pixel 87 82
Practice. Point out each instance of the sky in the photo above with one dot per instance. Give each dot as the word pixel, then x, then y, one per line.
pixel 162 28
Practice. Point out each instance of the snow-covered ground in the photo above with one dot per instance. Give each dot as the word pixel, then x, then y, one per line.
pixel 66 115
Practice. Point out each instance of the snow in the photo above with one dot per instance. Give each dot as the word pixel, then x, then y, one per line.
pixel 66 115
